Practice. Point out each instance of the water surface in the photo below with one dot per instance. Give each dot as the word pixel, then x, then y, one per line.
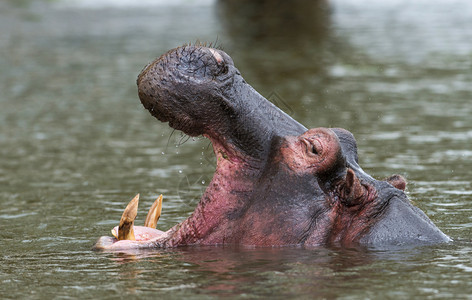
pixel 76 144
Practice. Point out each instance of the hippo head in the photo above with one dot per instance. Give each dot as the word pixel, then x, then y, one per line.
pixel 276 183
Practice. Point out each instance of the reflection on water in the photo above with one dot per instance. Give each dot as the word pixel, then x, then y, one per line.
pixel 76 144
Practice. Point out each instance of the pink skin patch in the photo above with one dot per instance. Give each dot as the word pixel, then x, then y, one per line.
pixel 315 151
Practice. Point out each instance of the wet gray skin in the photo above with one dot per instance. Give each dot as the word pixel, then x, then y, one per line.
pixel 258 195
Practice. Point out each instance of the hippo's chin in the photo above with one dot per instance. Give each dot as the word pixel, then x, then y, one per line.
pixel 276 183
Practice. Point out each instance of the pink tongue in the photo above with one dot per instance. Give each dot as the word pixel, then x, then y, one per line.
pixel 142 233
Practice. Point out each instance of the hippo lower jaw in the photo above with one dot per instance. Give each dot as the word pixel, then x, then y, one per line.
pixel 128 236
pixel 217 200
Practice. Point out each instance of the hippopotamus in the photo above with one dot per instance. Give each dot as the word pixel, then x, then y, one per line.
pixel 276 182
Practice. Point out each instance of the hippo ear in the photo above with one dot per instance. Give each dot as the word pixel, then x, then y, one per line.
pixel 398 181
pixel 352 191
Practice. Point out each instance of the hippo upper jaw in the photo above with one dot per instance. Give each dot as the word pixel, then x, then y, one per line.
pixel 200 92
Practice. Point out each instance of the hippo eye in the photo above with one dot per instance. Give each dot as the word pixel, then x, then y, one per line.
pixel 313 150
pixel 311 147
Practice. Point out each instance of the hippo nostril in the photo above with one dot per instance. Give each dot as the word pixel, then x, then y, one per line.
pixel 313 150
pixel 225 70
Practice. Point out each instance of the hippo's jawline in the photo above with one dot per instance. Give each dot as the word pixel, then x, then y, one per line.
pixel 276 183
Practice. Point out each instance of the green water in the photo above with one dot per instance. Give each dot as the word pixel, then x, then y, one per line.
pixel 76 145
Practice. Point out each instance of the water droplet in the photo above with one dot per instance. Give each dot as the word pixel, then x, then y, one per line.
pixel 203 181
pixel 180 171
pixel 163 153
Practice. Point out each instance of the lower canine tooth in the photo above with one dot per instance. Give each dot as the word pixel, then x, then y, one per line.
pixel 114 233
pixel 125 230
pixel 154 213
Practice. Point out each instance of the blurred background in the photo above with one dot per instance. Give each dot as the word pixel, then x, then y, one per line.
pixel 76 144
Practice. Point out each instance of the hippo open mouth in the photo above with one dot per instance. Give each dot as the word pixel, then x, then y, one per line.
pixel 276 183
